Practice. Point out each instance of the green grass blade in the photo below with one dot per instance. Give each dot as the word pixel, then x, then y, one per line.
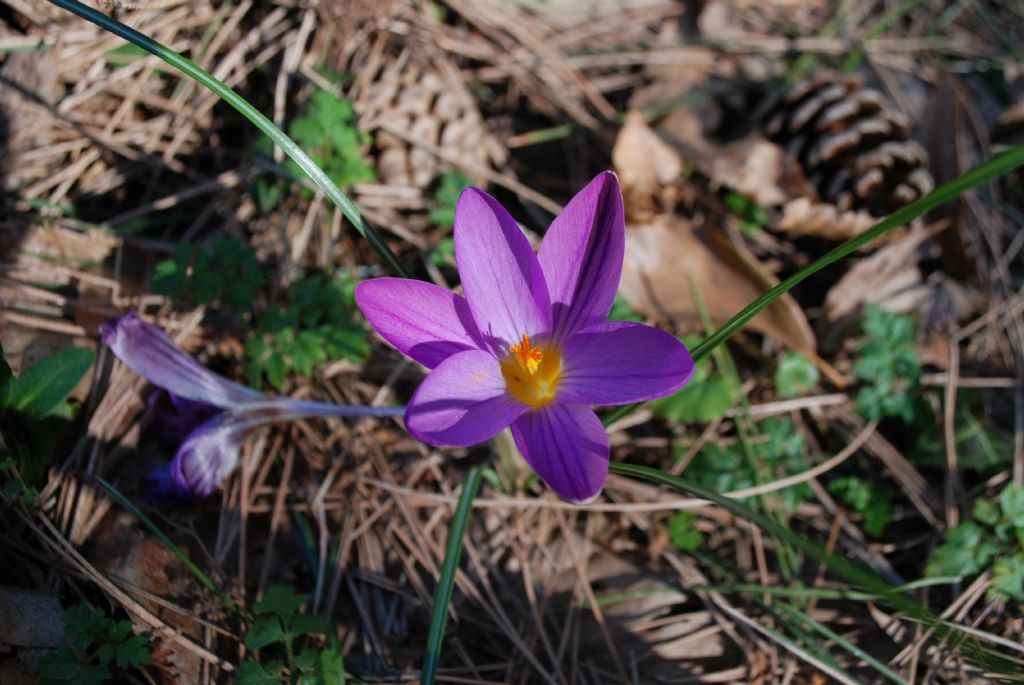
pixel 995 167
pixel 443 596
pixel 190 69
pixel 853 572
pixel 838 639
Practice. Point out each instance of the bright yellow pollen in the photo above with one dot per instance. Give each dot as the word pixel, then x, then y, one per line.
pixel 532 373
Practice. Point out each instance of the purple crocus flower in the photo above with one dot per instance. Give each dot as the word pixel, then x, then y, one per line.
pixel 226 411
pixel 529 345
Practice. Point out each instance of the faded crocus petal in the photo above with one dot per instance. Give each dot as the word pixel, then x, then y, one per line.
pixel 214 414
pixel 149 352
pixel 536 350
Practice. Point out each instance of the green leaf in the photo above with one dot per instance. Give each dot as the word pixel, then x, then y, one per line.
pixel 60 665
pixel 702 401
pixel 83 624
pixel 621 311
pixel 870 499
pixel 282 601
pixel 964 552
pixel 452 185
pixel 795 375
pixel 309 624
pixel 1011 501
pixel 265 630
pixel 1008 577
pixel 42 388
pixel 682 532
pixel 6 381
pixel 133 652
pixel 254 673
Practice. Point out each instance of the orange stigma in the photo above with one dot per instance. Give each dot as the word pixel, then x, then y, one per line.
pixel 529 358
pixel 532 373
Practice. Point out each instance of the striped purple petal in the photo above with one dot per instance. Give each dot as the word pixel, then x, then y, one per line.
pixel 567 446
pixel 582 254
pixel 462 402
pixel 619 362
pixel 209 454
pixel 424 322
pixel 500 273
pixel 149 352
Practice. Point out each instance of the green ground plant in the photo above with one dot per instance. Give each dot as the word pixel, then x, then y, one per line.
pixel 993 540
pixel 282 634
pixel 96 650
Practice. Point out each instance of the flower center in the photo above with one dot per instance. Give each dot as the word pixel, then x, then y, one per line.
pixel 532 373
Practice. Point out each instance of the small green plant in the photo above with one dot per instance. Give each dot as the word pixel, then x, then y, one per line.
pixel 94 644
pixel 315 324
pixel 889 365
pixel 329 133
pixel 282 631
pixel 683 533
pixel 795 375
pixel 870 499
pixel 752 216
pixel 621 311
pixel 993 539
pixel 452 185
pixel 34 407
pixel 444 253
pixel 776 451
pixel 226 270
pixel 705 398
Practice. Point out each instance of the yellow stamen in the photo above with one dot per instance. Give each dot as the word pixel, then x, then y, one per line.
pixel 532 373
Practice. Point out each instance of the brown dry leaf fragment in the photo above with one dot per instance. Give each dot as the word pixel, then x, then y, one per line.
pixel 62 244
pixel 663 255
pixel 664 251
pixel 647 168
pixel 806 217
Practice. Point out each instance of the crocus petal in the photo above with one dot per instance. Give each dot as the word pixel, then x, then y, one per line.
pixel 149 352
pixel 618 362
pixel 462 402
pixel 567 446
pixel 420 319
pixel 210 453
pixel 581 256
pixel 500 273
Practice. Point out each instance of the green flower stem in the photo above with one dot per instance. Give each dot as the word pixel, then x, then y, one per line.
pixel 997 166
pixel 452 554
pixel 190 69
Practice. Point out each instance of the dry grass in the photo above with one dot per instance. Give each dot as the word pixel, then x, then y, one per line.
pixel 356 513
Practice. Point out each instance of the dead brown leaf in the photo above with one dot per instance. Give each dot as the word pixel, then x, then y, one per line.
pixel 665 251
pixel 663 256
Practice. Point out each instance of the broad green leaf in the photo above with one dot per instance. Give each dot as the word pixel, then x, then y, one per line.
pixel 266 630
pixel 698 401
pixel 40 390
pixel 281 600
pixel 254 673
pixel 309 624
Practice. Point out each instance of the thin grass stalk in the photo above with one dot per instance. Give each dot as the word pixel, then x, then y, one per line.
pixel 452 554
pixel 853 572
pixel 290 148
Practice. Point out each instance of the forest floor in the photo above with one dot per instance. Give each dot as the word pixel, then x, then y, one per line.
pixel 874 413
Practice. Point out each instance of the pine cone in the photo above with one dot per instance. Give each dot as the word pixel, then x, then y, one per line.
pixel 853 146
pixel 406 83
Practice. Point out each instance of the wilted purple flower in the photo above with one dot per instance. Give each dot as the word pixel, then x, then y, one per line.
pixel 529 345
pixel 228 411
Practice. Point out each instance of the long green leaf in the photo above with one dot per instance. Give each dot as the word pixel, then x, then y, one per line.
pixel 443 595
pixel 190 69
pixel 38 391
pixel 853 572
